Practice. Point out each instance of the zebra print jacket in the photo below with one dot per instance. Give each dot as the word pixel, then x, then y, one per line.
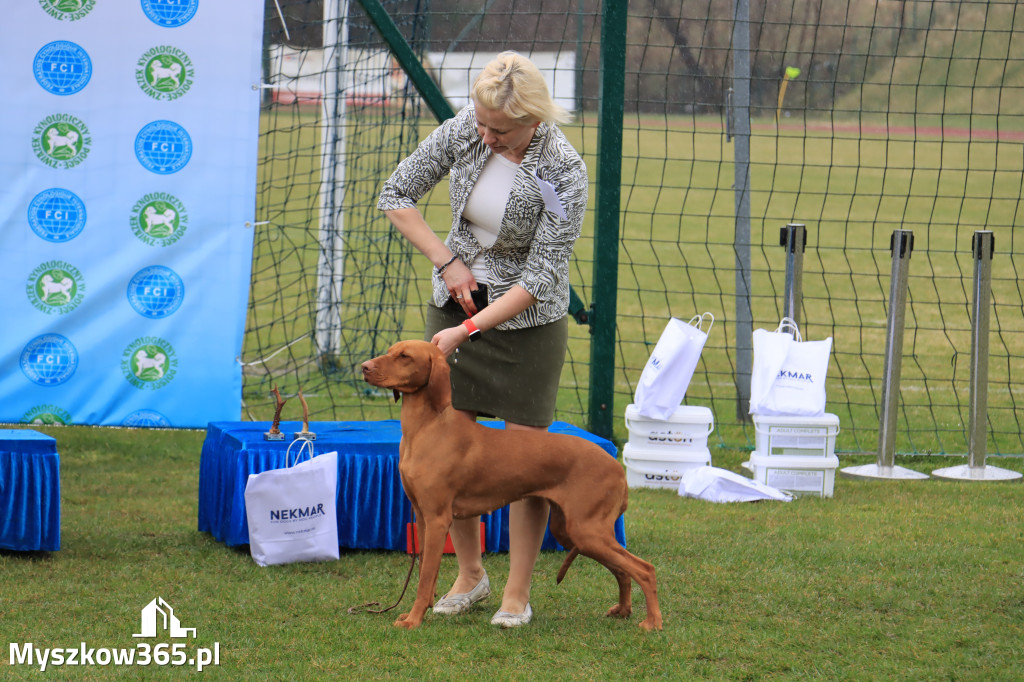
pixel 542 221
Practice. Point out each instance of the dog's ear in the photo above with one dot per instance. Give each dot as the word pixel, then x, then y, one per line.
pixel 398 394
pixel 439 383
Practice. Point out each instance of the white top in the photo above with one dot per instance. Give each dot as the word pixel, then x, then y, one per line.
pixel 485 207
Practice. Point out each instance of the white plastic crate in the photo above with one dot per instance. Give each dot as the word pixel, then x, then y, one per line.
pixel 660 467
pixel 688 428
pixel 776 436
pixel 796 474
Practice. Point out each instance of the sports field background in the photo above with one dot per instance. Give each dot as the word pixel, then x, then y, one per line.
pixel 906 124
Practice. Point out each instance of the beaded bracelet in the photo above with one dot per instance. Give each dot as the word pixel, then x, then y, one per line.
pixel 440 270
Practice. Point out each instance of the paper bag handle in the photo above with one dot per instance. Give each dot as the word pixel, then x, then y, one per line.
pixel 698 321
pixel 788 323
pixel 307 447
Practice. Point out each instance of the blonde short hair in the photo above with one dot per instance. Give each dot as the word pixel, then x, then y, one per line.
pixel 513 85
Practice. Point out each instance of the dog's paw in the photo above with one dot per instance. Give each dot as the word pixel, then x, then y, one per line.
pixel 650 623
pixel 619 611
pixel 404 621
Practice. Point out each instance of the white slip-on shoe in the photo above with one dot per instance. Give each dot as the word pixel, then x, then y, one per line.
pixel 452 604
pixel 512 620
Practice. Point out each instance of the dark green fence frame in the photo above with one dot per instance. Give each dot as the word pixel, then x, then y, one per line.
pixel 601 315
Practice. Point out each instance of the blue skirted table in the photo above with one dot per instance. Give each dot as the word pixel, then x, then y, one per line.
pixel 29 491
pixel 372 507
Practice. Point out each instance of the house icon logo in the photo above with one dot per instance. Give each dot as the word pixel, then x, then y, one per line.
pixel 158 615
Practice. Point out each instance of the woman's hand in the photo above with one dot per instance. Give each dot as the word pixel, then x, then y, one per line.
pixel 502 309
pixel 449 339
pixel 461 284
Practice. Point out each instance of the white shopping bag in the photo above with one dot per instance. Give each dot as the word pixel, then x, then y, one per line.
pixel 719 485
pixel 292 512
pixel 788 375
pixel 667 375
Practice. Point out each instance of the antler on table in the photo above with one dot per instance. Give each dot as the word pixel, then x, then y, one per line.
pixel 305 433
pixel 275 430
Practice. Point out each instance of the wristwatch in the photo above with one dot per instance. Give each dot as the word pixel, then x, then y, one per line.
pixel 474 332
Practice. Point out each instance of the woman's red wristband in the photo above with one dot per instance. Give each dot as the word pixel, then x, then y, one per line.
pixel 474 331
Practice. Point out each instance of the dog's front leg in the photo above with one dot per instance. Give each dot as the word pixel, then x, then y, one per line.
pixel 432 534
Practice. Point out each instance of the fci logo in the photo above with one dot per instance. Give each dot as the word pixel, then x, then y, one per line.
pixel 163 147
pixel 62 67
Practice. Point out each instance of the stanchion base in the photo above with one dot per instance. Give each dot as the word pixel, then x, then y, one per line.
pixel 966 472
pixel 876 471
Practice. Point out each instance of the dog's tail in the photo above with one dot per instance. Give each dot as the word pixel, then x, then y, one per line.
pixel 573 553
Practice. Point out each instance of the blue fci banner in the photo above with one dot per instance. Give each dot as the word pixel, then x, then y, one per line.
pixel 128 151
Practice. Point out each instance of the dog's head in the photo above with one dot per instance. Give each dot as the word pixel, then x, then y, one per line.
pixel 409 367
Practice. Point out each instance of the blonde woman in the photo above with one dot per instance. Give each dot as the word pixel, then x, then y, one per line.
pixel 518 193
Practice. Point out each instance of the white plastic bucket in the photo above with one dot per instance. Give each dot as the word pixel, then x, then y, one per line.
pixel 777 436
pixel 660 467
pixel 688 428
pixel 795 474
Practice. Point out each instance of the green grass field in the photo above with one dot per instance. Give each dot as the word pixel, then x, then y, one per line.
pixel 884 581
pixel 887 580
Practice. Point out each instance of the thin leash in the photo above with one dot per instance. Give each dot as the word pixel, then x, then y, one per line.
pixel 365 607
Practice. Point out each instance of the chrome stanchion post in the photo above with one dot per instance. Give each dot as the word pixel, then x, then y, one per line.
pixel 982 247
pixel 794 238
pixel 901 244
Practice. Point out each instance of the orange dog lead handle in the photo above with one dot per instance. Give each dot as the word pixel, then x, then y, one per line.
pixel 474 331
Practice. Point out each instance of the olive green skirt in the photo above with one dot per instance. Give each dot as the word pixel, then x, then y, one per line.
pixel 511 374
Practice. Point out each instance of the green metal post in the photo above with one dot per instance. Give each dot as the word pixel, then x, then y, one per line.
pixel 606 233
pixel 428 89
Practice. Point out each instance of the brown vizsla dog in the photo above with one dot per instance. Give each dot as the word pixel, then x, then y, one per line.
pixel 452 467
